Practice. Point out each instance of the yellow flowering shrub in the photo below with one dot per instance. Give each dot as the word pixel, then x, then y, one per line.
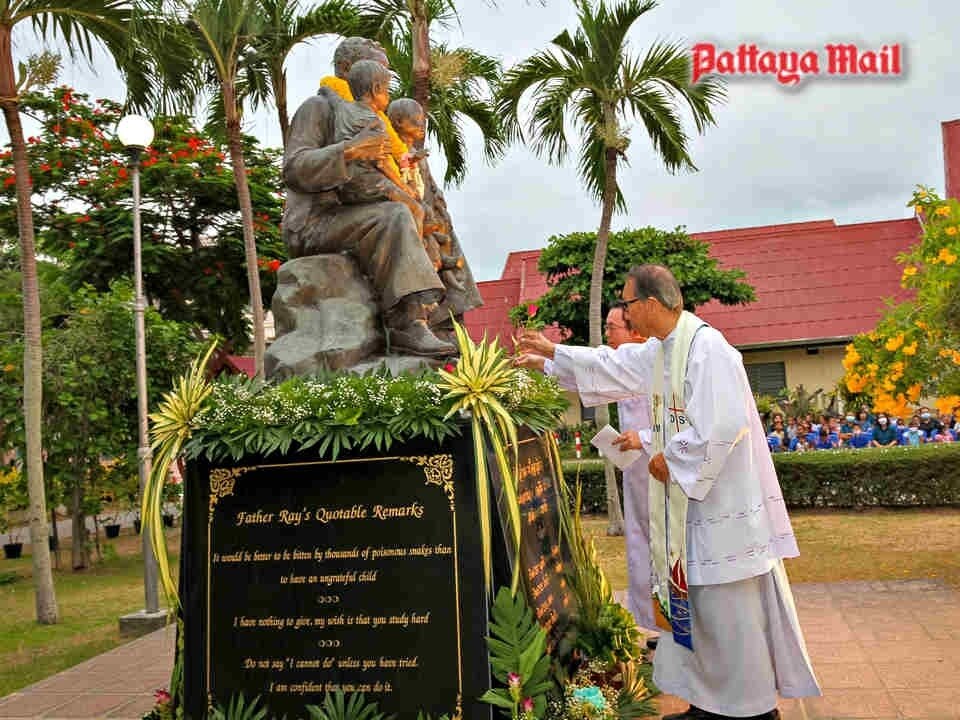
pixel 914 351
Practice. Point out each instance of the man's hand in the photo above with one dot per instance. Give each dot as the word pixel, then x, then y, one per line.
pixel 658 468
pixel 532 341
pixel 529 361
pixel 369 144
pixel 629 440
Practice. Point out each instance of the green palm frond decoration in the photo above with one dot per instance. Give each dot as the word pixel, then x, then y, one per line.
pixel 240 709
pixel 338 706
pixel 171 426
pixel 475 386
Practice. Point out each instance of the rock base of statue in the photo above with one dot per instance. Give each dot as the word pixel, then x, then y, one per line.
pixel 325 315
pixel 327 318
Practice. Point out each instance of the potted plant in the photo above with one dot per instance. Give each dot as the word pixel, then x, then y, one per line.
pixel 13 497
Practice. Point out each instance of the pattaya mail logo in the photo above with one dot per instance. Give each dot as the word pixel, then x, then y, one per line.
pixel 791 66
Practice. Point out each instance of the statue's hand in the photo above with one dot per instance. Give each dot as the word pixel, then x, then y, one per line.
pixel 368 144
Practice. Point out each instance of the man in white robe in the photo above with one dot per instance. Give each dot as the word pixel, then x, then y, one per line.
pixel 743 642
pixel 633 414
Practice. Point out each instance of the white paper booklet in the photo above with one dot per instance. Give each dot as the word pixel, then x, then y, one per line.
pixel 603 442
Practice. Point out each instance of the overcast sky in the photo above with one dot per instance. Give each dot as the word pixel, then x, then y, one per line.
pixel 851 149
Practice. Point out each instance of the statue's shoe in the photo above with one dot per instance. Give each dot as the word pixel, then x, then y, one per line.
pixel 416 339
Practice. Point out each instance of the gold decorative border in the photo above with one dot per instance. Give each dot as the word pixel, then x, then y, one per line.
pixel 437 469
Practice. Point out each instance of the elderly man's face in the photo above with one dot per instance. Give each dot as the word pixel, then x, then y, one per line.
pixel 638 309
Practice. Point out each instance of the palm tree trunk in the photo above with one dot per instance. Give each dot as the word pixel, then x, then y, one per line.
pixel 280 96
pixel 421 55
pixel 246 216
pixel 614 511
pixel 45 595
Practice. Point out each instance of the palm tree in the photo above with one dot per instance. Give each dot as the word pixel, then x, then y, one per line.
pixel 224 33
pixel 593 78
pixel 460 83
pixel 391 19
pixel 79 24
pixel 285 27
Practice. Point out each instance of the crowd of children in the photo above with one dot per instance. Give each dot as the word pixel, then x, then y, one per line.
pixel 860 430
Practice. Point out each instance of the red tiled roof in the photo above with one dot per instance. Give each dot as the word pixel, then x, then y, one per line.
pixel 814 281
pixel 491 319
pixel 242 364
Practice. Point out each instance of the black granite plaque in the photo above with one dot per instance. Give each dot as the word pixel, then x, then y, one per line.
pixel 544 555
pixel 302 576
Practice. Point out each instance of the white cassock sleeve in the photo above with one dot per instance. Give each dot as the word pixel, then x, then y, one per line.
pixel 602 375
pixel 564 374
pixel 716 414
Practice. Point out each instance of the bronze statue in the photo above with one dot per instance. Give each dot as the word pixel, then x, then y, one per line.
pixel 382 236
pixel 346 194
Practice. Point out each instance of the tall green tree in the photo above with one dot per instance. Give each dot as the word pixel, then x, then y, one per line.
pixel 80 25
pixel 567 262
pixel 452 84
pixel 193 254
pixel 90 409
pixel 591 78
pixel 287 25
pixel 224 35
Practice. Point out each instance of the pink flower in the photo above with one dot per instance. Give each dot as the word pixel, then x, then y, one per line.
pixel 532 310
pixel 450 367
pixel 513 680
pixel 162 697
pixel 527 705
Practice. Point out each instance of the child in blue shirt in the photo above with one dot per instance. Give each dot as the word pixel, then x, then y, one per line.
pixel 859 439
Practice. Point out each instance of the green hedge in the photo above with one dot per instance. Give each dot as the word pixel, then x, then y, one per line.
pixel 901 476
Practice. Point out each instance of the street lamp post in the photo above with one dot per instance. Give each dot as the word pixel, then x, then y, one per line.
pixel 136 134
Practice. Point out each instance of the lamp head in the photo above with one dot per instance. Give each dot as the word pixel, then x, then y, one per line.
pixel 135 132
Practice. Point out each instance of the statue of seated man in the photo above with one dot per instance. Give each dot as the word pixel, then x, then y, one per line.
pixel 383 235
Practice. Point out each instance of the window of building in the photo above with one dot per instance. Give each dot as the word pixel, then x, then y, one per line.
pixel 767 378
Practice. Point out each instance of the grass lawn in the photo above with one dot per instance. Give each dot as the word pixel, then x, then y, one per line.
pixel 91 602
pixel 844 545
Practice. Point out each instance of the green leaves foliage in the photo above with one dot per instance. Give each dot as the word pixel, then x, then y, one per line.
pixel 337 706
pixel 89 394
pixel 334 413
pixel 193 252
pixel 240 709
pixel 567 261
pixel 517 645
pixel 327 415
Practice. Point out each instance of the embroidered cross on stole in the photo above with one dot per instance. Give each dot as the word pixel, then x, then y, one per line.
pixel 668 502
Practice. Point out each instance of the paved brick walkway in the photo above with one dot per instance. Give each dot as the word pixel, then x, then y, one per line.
pixel 882 650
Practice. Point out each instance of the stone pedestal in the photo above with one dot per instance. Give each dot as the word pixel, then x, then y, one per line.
pixel 326 317
pixel 142 623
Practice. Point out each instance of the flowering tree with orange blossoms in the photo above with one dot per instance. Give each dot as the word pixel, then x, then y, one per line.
pixel 914 351
pixel 193 249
